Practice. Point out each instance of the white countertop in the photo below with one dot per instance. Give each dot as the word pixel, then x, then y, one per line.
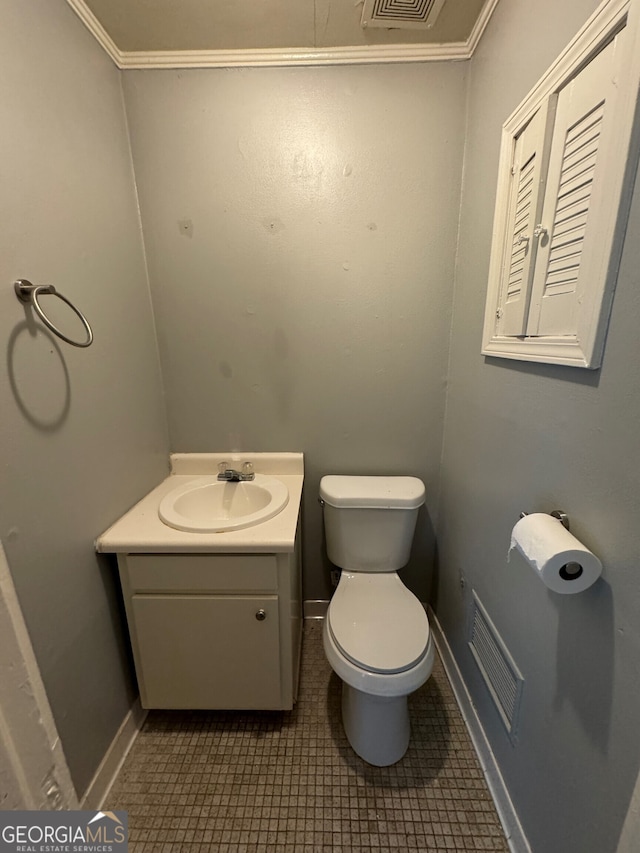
pixel 141 531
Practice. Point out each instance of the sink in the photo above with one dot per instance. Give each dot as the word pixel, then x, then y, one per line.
pixel 209 505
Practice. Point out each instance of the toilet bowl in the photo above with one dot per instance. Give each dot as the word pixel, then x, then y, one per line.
pixel 376 633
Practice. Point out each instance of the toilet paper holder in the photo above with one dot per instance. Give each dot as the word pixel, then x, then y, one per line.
pixel 562 517
pixel 557 557
pixel 570 571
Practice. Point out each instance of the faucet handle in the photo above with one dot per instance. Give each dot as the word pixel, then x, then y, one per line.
pixel 222 467
pixel 247 469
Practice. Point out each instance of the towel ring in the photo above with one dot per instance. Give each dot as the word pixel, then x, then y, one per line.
pixel 27 292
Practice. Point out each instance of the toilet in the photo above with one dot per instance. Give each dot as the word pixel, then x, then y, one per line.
pixel 376 633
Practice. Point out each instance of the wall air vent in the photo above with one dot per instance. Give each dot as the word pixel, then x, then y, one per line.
pixel 401 14
pixel 496 665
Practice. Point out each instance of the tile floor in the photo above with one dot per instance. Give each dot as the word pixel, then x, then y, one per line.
pixel 287 781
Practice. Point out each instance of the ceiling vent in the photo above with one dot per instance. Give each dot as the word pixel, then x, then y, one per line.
pixel 401 14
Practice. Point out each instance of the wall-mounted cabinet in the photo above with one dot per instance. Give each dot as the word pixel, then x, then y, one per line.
pixel 567 165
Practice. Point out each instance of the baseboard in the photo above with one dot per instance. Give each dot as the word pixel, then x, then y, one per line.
pixel 315 608
pixel 513 831
pixel 115 755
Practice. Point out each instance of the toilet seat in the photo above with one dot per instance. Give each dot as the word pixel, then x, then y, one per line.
pixel 388 684
pixel 377 623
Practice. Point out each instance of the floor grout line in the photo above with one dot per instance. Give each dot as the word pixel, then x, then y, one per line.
pixel 285 782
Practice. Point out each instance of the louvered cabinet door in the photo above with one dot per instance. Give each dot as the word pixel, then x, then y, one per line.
pixel 569 213
pixel 555 260
pixel 525 195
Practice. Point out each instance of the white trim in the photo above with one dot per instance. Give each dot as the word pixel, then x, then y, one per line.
pixel 104 777
pixel 508 817
pixel 284 57
pixel 628 841
pixel 480 26
pixel 605 20
pixel 33 762
pixel 96 29
pixel 280 57
pixel 546 350
pixel 315 608
pixel 585 348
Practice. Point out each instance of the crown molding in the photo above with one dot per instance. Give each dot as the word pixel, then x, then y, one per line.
pixel 282 57
pixel 480 25
pixel 251 58
pixel 96 29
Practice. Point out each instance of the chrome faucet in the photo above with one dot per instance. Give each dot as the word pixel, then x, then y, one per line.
pixel 231 475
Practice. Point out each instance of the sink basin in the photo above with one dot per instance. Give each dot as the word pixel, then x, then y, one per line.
pixel 209 505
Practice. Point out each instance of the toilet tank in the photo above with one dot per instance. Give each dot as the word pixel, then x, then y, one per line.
pixel 369 521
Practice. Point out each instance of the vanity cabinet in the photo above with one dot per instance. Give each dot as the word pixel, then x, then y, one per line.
pixel 214 630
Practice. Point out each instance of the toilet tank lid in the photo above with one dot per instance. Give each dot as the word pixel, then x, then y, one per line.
pixel 372 492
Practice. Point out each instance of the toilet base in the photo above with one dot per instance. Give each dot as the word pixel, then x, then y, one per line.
pixel 377 727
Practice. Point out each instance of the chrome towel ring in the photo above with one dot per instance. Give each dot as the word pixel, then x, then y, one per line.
pixel 27 292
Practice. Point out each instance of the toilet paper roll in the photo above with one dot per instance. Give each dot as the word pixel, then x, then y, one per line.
pixel 560 560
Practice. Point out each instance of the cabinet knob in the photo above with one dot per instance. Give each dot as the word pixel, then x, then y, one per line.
pixel 261 615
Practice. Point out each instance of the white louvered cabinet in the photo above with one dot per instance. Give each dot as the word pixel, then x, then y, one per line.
pixel 567 165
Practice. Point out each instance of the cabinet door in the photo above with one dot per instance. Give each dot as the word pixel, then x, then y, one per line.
pixel 527 186
pixel 572 199
pixel 217 654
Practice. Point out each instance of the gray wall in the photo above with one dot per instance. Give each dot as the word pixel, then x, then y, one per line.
pixel 83 431
pixel 535 438
pixel 301 231
pixel 300 226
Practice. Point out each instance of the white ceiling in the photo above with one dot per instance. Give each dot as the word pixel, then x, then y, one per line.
pixel 155 26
